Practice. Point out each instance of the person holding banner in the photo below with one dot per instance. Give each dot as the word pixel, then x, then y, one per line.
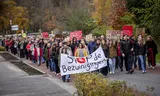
pixel 81 51
pixel 112 56
pixel 66 50
pixel 105 48
pixel 96 46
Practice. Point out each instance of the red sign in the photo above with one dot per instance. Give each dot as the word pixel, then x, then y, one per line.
pixel 77 34
pixel 45 34
pixel 127 30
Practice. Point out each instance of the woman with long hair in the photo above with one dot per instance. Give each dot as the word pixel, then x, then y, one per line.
pixel 152 51
pixel 112 56
pixel 81 51
pixel 141 51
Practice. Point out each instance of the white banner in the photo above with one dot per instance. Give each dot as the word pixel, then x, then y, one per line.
pixel 72 65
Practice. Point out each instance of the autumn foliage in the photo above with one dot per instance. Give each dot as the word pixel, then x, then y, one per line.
pixel 109 12
pixel 18 15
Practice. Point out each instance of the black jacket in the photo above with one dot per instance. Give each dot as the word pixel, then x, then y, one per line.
pixel 152 44
pixel 126 46
pixel 141 49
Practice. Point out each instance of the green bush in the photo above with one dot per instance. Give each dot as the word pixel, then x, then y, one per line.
pixel 2 48
pixel 93 84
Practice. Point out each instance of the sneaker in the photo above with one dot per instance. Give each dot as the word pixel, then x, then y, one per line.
pixel 143 72
pixel 127 72
pixel 153 67
pixel 67 80
pixel 110 72
pixel 113 72
pixel 131 71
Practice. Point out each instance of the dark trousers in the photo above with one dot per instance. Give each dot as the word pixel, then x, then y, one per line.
pixel 104 70
pixel 56 65
pixel 26 54
pixel 128 62
pixel 120 62
pixel 7 48
pixel 21 53
pixel 29 55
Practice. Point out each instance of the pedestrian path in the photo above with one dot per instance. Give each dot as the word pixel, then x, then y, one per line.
pixel 151 78
pixel 15 82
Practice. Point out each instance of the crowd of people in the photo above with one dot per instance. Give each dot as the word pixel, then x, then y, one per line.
pixel 128 52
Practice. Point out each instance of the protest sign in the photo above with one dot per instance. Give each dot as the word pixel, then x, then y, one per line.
pixel 114 34
pixel 140 31
pixel 72 65
pixel 45 34
pixel 24 35
pixel 77 34
pixel 127 30
pixel 89 37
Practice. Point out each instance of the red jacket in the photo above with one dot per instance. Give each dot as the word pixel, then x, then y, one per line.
pixel 10 43
pixel 7 43
pixel 28 46
pixel 119 50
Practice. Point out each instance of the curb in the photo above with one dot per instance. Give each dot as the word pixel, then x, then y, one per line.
pixel 28 64
pixel 69 88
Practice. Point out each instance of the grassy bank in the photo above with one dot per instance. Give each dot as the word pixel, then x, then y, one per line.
pixel 158 58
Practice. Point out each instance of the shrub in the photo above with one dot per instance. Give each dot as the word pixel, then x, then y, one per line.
pixel 2 48
pixel 94 84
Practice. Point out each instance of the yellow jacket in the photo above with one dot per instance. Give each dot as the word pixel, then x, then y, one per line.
pixel 85 52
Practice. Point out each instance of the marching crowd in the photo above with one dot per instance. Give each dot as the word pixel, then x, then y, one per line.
pixel 123 53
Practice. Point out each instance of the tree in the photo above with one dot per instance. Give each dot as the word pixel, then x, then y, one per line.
pixel 101 11
pixel 155 28
pixel 145 13
pixel 109 12
pixel 17 14
pixel 49 21
pixel 77 18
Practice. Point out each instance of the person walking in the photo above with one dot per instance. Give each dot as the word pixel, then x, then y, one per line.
pixel 112 56
pixel 126 50
pixel 141 51
pixel 105 48
pixel 152 51
pixel 66 50
pixel 81 51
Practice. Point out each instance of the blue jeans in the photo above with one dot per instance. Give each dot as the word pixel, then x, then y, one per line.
pixel 33 59
pixel 112 63
pixel 142 59
pixel 134 60
pixel 53 67
pixel 39 60
pixel 65 77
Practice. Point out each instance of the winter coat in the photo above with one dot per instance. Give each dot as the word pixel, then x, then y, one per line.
pixel 47 53
pixel 90 47
pixel 141 49
pixel 105 50
pixel 152 44
pixel 85 52
pixel 126 46
pixel 113 51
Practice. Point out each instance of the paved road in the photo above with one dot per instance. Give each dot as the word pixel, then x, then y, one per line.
pixel 15 82
pixel 140 80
